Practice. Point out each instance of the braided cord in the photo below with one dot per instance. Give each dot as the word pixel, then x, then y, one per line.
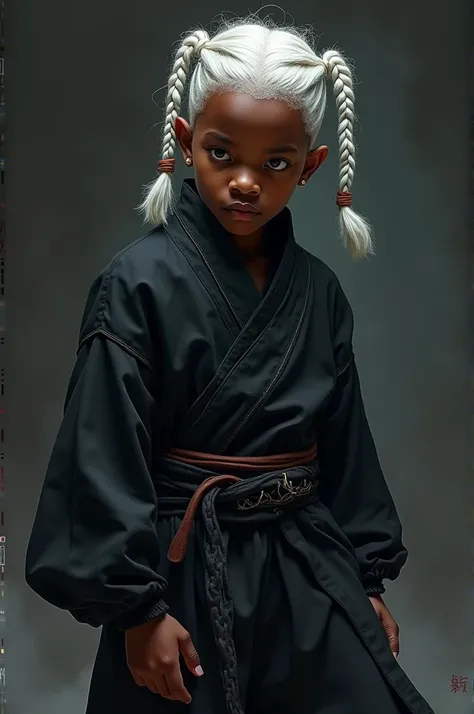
pixel 221 606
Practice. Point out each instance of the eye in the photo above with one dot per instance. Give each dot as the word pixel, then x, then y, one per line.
pixel 278 164
pixel 219 154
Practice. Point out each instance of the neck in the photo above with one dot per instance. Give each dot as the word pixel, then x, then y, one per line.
pixel 255 256
pixel 252 246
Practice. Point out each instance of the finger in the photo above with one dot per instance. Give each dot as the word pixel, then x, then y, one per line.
pixel 394 644
pixel 391 630
pixel 174 681
pixel 151 684
pixel 138 679
pixel 164 689
pixel 190 655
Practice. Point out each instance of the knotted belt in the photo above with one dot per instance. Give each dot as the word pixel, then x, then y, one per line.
pixel 280 481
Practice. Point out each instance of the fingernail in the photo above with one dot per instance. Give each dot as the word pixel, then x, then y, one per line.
pixel 199 671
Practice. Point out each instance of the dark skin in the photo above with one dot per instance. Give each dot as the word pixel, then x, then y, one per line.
pixel 252 152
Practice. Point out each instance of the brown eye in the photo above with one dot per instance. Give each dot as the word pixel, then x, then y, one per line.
pixel 219 154
pixel 277 164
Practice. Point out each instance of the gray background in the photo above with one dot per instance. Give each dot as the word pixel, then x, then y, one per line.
pixel 81 144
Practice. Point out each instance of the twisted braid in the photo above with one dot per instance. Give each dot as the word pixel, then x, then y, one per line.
pixel 354 229
pixel 342 82
pixel 189 50
pixel 159 195
pixel 253 58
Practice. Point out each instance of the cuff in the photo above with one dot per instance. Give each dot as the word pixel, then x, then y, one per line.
pixel 374 588
pixel 141 614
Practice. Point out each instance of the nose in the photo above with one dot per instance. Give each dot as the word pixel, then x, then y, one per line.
pixel 244 183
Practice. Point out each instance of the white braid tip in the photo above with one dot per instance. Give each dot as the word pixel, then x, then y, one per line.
pixel 158 200
pixel 355 233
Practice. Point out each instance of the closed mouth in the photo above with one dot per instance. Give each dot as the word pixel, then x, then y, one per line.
pixel 242 208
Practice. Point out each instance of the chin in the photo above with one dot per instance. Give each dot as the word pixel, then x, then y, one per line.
pixel 242 228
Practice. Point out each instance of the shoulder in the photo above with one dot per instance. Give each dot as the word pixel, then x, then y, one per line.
pixel 330 292
pixel 325 280
pixel 123 300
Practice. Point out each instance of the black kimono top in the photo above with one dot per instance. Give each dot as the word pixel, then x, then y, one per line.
pixel 179 349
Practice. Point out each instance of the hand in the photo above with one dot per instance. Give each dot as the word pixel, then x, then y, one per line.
pixel 388 623
pixel 153 651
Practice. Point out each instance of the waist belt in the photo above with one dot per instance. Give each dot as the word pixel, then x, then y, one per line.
pixel 279 482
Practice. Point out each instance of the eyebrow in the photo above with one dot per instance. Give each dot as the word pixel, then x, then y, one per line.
pixel 219 137
pixel 283 149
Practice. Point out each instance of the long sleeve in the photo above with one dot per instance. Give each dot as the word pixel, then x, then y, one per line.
pixel 93 548
pixel 353 485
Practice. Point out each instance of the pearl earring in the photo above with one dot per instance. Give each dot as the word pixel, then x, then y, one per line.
pixel 303 182
pixel 189 162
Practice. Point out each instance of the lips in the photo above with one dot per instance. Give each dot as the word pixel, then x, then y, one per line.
pixel 247 208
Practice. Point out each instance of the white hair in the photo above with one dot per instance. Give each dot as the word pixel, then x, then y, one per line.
pixel 267 63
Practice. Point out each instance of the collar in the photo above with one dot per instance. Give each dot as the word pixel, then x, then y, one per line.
pixel 205 237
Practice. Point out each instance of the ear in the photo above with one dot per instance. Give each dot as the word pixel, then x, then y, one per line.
pixel 184 135
pixel 313 161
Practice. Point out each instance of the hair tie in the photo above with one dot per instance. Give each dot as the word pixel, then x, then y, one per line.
pixel 200 46
pixel 344 199
pixel 166 166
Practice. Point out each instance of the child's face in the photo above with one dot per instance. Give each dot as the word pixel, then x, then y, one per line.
pixel 247 151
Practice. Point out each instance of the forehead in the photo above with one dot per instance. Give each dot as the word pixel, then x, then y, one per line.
pixel 242 117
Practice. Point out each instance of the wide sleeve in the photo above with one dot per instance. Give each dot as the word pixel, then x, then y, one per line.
pixel 353 485
pixel 93 549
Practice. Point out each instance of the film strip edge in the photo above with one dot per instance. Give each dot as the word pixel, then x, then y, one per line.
pixel 2 361
pixel 470 66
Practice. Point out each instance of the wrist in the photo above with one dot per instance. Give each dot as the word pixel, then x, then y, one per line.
pixel 144 613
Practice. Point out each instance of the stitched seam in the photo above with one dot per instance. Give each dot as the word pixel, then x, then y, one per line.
pixel 229 374
pixel 224 319
pixel 270 387
pixel 209 267
pixel 218 381
pixel 107 277
pixel 113 338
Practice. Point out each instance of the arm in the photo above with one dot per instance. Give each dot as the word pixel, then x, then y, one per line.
pixel 93 549
pixel 353 485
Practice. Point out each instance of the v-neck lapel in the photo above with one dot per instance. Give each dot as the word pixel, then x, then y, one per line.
pixel 223 258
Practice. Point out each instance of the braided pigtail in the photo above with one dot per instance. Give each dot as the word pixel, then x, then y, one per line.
pixel 159 195
pixel 355 231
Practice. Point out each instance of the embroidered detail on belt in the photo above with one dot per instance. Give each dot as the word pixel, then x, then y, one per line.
pixel 284 492
pixel 273 487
